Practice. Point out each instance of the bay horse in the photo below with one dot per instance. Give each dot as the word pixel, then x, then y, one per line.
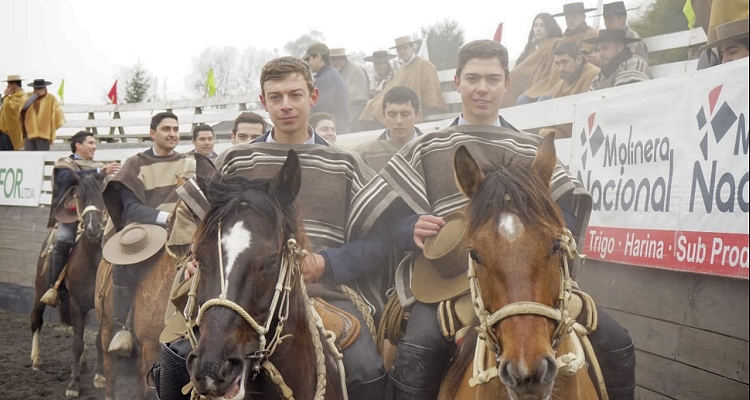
pixel 148 310
pixel 518 247
pixel 259 338
pixel 80 281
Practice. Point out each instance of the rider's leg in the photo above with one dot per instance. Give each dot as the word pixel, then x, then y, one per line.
pixel 66 236
pixel 365 374
pixel 422 357
pixel 616 354
pixel 124 279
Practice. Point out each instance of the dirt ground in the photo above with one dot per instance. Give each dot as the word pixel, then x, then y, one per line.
pixel 18 381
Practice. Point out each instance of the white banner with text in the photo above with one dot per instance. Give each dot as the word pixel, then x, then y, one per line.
pixel 21 176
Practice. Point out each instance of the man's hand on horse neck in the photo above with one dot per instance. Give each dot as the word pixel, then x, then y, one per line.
pixel 427 225
pixel 313 267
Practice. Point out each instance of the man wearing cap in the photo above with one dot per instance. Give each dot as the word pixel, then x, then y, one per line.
pixel 381 63
pixel 618 65
pixel 143 191
pixel 41 117
pixel 417 74
pixel 616 17
pixel 422 173
pixel 65 176
pixel 11 133
pixel 333 95
pixel 357 83
pixel 401 111
pixel 577 31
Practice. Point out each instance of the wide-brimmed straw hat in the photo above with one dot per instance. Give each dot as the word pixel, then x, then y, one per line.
pixel 440 271
pixel 576 7
pixel 611 35
pixel 13 78
pixel 339 52
pixel 617 7
pixel 729 32
pixel 380 55
pixel 724 12
pixel 134 243
pixel 406 40
pixel 39 83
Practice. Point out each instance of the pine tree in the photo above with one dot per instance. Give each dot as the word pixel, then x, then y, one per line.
pixel 137 87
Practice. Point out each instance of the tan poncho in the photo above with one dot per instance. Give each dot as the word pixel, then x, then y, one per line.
pixel 420 76
pixel 378 152
pixel 533 69
pixel 43 118
pixel 10 118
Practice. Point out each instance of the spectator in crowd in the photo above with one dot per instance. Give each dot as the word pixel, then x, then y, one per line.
pixel 616 17
pixel 543 31
pixel 401 111
pixel 383 70
pixel 731 38
pixel 332 93
pixel 11 134
pixel 65 176
pixel 324 124
pixel 576 31
pixel 41 117
pixel 417 74
pixel 619 66
pixel 357 83
pixel 203 141
pixel 248 126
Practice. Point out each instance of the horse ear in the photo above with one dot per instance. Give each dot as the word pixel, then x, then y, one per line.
pixel 545 159
pixel 286 184
pixel 468 174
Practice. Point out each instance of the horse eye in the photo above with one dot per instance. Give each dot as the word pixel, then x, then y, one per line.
pixel 474 256
pixel 557 246
pixel 271 261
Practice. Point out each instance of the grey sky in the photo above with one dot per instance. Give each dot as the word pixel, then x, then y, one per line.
pixel 88 42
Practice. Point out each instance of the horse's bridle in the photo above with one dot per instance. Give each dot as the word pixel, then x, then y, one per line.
pixel 83 213
pixel 565 245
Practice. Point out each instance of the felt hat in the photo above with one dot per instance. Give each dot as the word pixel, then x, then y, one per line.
pixel 65 212
pixel 571 8
pixel 13 78
pixel 339 52
pixel 134 243
pixel 39 83
pixel 406 40
pixel 317 48
pixel 729 32
pixel 440 271
pixel 611 35
pixel 723 12
pixel 617 7
pixel 380 55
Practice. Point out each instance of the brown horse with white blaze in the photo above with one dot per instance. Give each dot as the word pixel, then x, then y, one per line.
pixel 518 245
pixel 79 282
pixel 258 338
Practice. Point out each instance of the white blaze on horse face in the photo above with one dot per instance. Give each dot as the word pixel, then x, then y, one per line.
pixel 234 243
pixel 509 226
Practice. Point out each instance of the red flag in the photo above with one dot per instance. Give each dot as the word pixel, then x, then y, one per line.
pixel 112 95
pixel 498 33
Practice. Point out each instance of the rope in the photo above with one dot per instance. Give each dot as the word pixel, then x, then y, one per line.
pixel 391 323
pixel 361 307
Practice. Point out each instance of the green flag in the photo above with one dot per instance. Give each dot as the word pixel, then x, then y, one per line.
pixel 689 14
pixel 211 83
pixel 61 91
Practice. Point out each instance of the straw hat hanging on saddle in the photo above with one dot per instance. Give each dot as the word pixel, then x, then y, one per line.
pixel 440 271
pixel 65 212
pixel 134 243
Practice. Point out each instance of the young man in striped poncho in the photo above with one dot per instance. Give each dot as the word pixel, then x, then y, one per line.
pixel 422 173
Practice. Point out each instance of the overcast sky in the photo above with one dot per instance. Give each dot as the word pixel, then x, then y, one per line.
pixel 88 42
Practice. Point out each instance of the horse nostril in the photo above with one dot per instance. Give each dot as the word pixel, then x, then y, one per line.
pixel 505 372
pixel 230 369
pixel 546 370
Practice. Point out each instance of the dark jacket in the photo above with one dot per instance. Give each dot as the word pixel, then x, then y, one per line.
pixel 332 97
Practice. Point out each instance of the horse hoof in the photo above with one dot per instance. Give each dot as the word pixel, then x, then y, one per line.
pixel 72 393
pixel 100 382
pixel 37 364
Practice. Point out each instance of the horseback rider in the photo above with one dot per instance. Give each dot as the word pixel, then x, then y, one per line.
pixel 422 173
pixel 65 176
pixel 143 191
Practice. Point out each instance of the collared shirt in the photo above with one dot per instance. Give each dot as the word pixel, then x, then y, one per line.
pixel 310 140
pixel 388 136
pixel 462 121
pixel 409 60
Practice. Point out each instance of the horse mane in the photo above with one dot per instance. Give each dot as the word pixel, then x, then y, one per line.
pixel 462 359
pixel 513 188
pixel 90 187
pixel 227 194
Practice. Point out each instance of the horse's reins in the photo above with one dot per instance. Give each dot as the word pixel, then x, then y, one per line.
pixel 83 213
pixel 568 363
pixel 292 254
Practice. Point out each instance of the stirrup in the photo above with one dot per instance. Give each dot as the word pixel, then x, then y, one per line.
pixel 122 344
pixel 50 297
